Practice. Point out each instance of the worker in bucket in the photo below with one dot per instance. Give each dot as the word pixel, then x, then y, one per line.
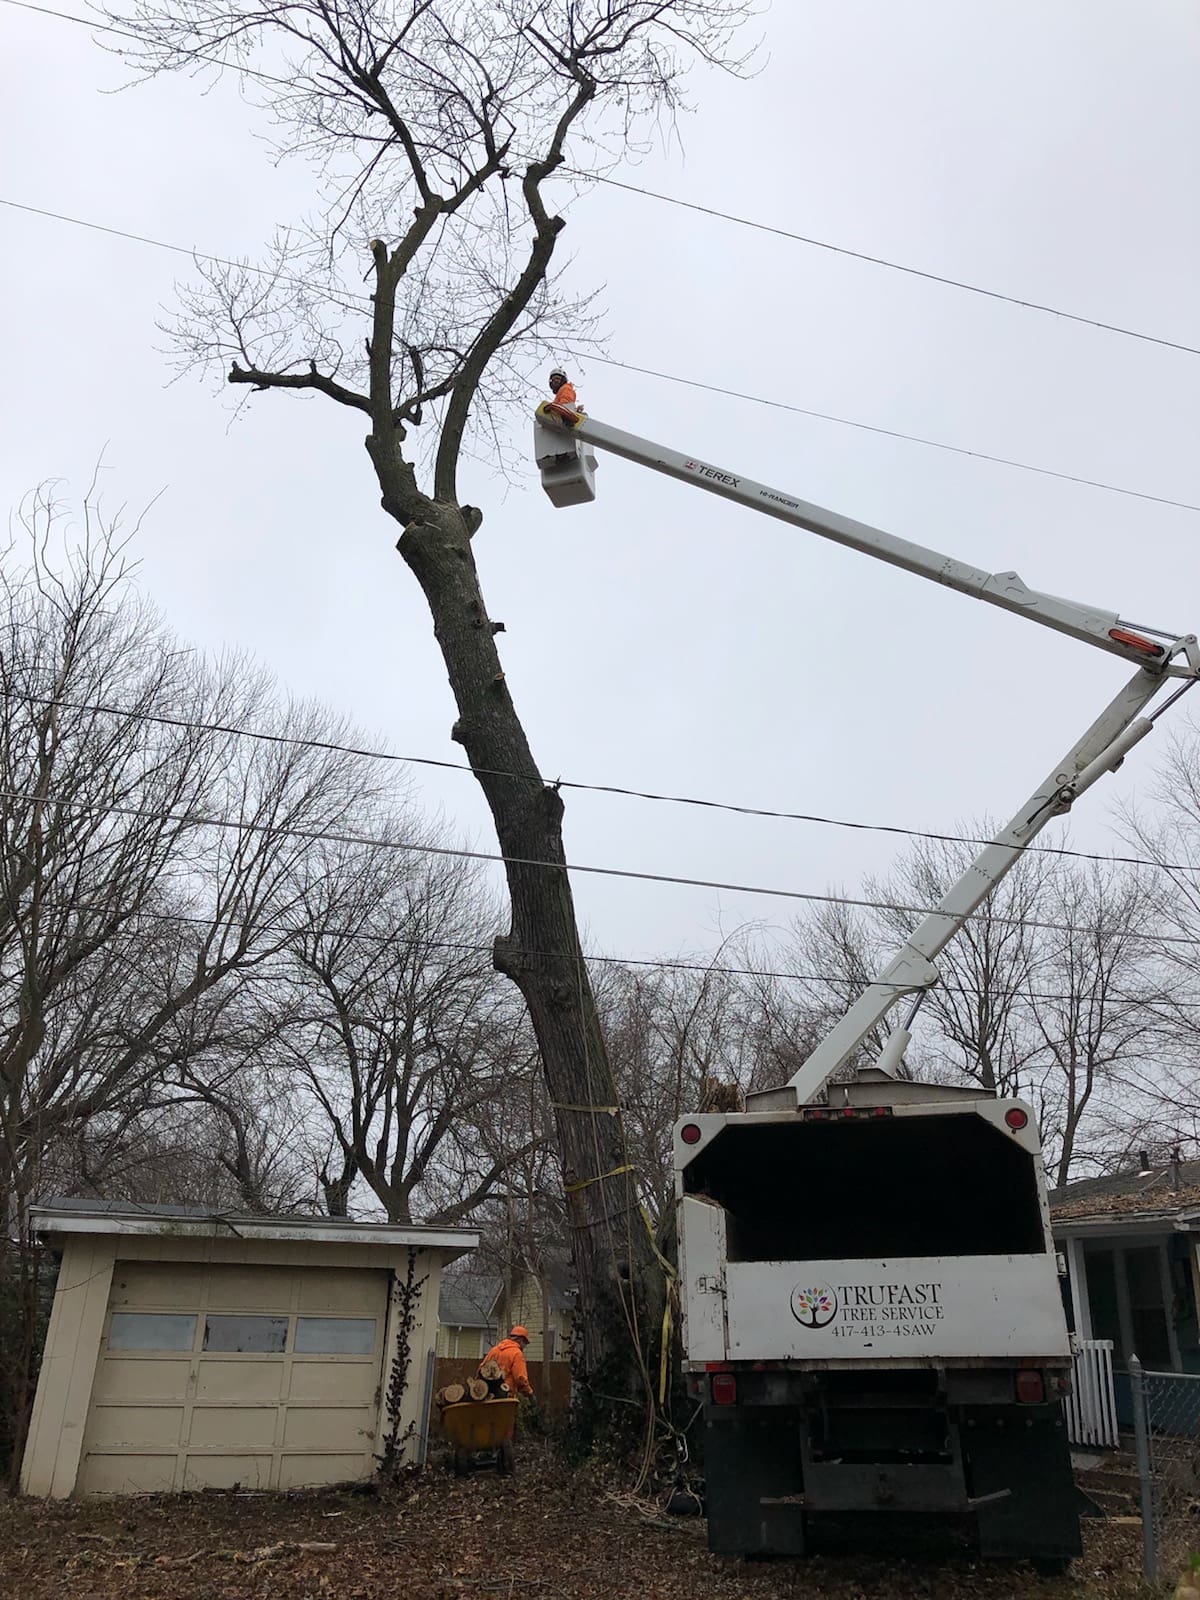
pixel 563 390
pixel 510 1354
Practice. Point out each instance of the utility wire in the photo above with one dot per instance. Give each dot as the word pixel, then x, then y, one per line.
pixel 706 211
pixel 331 746
pixel 951 983
pixel 126 33
pixel 883 261
pixel 458 852
pixel 896 433
pixel 650 372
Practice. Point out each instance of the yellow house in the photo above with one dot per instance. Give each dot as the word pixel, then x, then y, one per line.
pixel 195 1351
pixel 476 1309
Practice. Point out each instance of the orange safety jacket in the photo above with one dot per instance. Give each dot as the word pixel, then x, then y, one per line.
pixel 512 1359
pixel 565 396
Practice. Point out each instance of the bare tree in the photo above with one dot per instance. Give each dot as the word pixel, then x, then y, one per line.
pixel 1053 991
pixel 148 860
pixel 839 951
pixel 1165 828
pixel 436 125
pixel 399 1029
pixel 673 1031
pixel 1094 1010
pixel 987 969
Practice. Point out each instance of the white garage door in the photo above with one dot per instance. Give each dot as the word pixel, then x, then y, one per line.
pixel 223 1376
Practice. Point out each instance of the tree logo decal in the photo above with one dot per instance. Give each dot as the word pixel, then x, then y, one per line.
pixel 814 1305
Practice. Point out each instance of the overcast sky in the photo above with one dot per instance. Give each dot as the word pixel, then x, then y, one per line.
pixel 661 639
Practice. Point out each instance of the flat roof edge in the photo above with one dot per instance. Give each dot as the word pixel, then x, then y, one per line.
pixel 321 1230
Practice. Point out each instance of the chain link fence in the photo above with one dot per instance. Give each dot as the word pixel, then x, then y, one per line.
pixel 1166 1413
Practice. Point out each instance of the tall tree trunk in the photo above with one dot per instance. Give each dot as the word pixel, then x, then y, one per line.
pixel 615 1265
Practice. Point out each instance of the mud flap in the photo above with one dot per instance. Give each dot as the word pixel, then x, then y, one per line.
pixel 1028 1456
pixel 753 1482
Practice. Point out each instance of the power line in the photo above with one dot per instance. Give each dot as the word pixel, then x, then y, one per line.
pixel 650 372
pixel 834 980
pixel 896 433
pixel 883 261
pixel 707 211
pixel 331 746
pixel 668 377
pixel 125 33
pixel 459 852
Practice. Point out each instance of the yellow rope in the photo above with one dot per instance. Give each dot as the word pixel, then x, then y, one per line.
pixel 662 1260
pixel 584 1183
pixel 666 1345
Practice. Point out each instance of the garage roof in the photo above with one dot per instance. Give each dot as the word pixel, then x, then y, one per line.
pixel 61 1216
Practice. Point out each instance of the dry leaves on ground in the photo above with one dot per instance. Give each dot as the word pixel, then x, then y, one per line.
pixel 549 1534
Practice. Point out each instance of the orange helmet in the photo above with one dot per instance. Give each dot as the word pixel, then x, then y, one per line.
pixel 518 1332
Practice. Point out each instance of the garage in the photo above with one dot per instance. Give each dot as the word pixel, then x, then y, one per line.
pixel 189 1352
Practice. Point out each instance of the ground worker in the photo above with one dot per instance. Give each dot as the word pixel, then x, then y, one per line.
pixel 510 1353
pixel 562 388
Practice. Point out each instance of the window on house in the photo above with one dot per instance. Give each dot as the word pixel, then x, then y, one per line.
pixel 335 1336
pixel 1147 1313
pixel 246 1335
pixel 1127 1304
pixel 151 1330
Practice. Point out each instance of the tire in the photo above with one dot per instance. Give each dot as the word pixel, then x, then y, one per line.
pixel 1052 1566
pixel 506 1461
pixel 462 1464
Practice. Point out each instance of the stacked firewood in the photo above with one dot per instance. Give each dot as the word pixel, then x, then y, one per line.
pixel 489 1385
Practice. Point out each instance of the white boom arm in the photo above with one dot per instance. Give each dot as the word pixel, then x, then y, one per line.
pixel 561 445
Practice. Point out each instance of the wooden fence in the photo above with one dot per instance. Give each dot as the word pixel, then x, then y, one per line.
pixel 551 1380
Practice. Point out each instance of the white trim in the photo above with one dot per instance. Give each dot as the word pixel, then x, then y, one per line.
pixel 1081 1306
pixel 1125 1222
pixel 319 1231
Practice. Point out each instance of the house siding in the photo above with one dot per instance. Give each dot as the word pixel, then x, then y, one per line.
pixel 527 1309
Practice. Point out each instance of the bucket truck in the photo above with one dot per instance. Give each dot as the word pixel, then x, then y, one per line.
pixel 873 1318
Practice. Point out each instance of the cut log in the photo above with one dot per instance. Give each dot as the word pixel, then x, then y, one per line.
pixel 492 1372
pixel 451 1394
pixel 477 1389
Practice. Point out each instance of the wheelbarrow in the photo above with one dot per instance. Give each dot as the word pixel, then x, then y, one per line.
pixel 481 1432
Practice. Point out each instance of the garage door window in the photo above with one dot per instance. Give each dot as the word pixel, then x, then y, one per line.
pixel 335 1336
pixel 151 1330
pixel 246 1335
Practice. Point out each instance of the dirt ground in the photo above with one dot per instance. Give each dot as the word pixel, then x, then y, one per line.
pixel 549 1534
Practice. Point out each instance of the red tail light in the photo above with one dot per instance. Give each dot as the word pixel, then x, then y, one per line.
pixel 1016 1118
pixel 724 1389
pixel 690 1133
pixel 1031 1389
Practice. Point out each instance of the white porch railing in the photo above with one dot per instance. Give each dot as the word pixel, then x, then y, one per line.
pixel 1092 1403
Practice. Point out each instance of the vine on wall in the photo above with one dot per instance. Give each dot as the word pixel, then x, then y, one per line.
pixel 406 1298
